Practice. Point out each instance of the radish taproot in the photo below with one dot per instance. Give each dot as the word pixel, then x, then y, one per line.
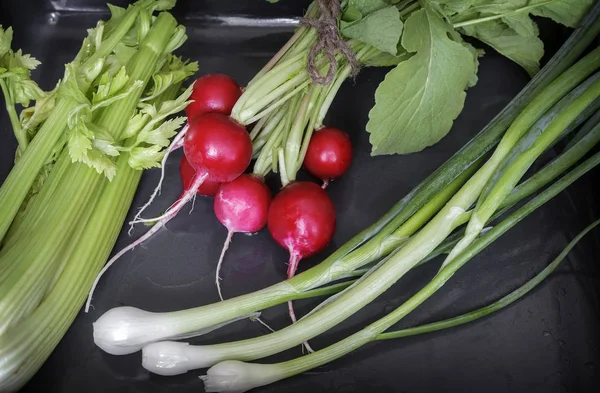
pixel 187 173
pixel 301 220
pixel 329 154
pixel 241 205
pixel 218 148
pixel 213 93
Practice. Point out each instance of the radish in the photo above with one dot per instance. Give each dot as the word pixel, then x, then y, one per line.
pixel 301 220
pixel 187 173
pixel 218 148
pixel 329 154
pixel 241 205
pixel 213 93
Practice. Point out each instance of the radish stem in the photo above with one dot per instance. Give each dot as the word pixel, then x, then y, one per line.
pixel 292 267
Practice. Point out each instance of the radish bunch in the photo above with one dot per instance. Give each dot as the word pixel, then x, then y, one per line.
pixel 218 150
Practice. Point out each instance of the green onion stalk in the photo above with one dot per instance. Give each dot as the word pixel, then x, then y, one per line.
pixel 27 265
pixel 484 211
pixel 544 90
pixel 420 245
pixel 237 376
pixel 183 357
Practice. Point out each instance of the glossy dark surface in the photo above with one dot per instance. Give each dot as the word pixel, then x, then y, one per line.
pixel 548 342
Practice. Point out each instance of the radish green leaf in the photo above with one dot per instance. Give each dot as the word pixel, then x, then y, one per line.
pixel 419 99
pixel 380 29
pixel 525 50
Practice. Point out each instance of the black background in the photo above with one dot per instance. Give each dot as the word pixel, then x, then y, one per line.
pixel 548 342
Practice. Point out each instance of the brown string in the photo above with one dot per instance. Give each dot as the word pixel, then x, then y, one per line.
pixel 329 42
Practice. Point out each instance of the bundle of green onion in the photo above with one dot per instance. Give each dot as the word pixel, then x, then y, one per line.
pixel 475 187
pixel 82 149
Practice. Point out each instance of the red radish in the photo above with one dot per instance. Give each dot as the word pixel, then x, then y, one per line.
pixel 187 173
pixel 329 154
pixel 241 205
pixel 301 220
pixel 213 93
pixel 216 147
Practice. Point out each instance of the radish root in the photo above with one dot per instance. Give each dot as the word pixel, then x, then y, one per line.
pixel 161 221
pixel 223 251
pixel 218 279
pixel 292 267
pixel 175 145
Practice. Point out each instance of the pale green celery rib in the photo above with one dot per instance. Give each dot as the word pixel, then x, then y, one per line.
pixel 25 347
pixel 25 221
pixel 14 118
pixel 28 264
pixel 20 179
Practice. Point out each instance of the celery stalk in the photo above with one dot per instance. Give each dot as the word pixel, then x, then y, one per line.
pixel 21 177
pixel 25 347
pixel 27 265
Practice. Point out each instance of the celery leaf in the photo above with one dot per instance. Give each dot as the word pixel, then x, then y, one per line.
pixel 145 157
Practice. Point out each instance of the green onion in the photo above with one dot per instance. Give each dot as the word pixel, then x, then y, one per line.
pixel 236 376
pixel 497 305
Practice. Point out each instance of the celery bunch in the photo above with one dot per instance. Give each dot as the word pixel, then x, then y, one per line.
pixel 82 149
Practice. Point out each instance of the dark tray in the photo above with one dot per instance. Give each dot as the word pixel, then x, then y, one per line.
pixel 548 342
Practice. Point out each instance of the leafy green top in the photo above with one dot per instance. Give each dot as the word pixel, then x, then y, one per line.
pixel 419 99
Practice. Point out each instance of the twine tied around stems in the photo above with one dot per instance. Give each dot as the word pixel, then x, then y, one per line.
pixel 329 42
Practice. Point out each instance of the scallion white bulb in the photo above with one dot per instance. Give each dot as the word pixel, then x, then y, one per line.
pixel 173 358
pixel 232 376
